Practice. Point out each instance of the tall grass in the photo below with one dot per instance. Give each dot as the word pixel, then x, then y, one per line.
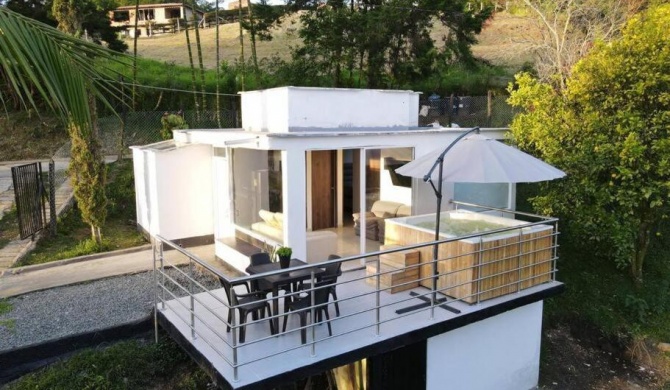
pixel 135 364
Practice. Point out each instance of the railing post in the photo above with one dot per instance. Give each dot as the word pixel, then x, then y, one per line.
pixel 433 288
pixel 162 267
pixel 377 314
pixel 155 279
pixel 313 314
pixel 479 268
pixel 192 299
pixel 232 303
pixel 520 276
pixel 554 252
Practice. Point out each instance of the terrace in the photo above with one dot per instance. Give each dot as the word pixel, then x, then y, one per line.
pixel 504 278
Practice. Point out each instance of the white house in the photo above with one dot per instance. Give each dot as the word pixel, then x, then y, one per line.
pixel 153 18
pixel 303 171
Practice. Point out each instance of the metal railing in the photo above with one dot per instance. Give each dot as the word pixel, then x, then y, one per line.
pixel 191 294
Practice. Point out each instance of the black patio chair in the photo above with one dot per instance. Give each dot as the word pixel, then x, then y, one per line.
pixel 246 303
pixel 333 271
pixel 302 306
pixel 261 258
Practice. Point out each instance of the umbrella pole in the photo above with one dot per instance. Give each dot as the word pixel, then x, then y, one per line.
pixel 438 194
pixel 434 300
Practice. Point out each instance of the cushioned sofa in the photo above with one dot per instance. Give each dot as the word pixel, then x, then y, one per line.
pixel 320 243
pixel 374 219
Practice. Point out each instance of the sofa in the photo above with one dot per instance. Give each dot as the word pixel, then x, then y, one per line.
pixel 374 219
pixel 320 243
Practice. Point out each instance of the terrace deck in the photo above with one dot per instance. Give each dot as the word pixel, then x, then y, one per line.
pixel 269 360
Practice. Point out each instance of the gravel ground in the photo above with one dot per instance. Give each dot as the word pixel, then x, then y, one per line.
pixel 63 311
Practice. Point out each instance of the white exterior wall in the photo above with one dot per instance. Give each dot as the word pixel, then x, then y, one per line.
pixel 281 110
pixel 498 353
pixel 174 193
pixel 423 141
pixel 143 179
pixel 159 15
pixel 294 180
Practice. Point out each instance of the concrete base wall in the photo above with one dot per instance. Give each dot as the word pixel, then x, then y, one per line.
pixel 501 353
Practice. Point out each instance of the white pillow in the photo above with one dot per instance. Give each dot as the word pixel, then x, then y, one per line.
pixel 267 216
pixel 279 220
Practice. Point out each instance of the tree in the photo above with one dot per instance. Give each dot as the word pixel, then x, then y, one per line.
pixel 62 70
pixel 609 130
pixel 34 9
pixel 261 17
pixel 569 28
pixel 88 16
pixel 87 166
pixel 388 41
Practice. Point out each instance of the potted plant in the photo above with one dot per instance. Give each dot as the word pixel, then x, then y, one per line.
pixel 284 254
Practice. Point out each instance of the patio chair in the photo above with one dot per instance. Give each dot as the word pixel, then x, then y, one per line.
pixel 333 271
pixel 245 303
pixel 302 307
pixel 260 259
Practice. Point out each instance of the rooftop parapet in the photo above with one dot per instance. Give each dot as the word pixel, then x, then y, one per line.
pixel 291 109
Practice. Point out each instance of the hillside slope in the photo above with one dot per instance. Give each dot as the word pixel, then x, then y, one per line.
pixel 504 41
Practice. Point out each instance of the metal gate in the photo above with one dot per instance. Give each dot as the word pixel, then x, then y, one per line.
pixel 29 194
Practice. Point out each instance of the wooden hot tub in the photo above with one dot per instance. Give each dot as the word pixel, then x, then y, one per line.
pixel 487 266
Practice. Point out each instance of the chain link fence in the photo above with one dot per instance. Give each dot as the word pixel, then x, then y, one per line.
pixel 466 111
pixel 117 133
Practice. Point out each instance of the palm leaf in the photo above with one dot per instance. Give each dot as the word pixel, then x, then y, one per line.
pixel 63 70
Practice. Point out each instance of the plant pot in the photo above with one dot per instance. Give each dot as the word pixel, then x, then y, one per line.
pixel 284 261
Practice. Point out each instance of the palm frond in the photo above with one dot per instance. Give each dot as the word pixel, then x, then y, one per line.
pixel 36 58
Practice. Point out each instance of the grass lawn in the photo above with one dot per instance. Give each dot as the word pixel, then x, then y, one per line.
pixel 6 307
pixel 9 227
pixel 73 235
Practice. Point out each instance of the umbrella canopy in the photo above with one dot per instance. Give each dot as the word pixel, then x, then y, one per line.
pixel 479 159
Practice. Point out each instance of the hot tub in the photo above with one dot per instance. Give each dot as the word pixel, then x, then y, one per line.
pixel 482 267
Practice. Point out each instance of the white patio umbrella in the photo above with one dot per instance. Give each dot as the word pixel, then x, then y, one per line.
pixel 475 159
pixel 479 159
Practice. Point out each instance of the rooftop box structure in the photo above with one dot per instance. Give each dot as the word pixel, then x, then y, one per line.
pixel 292 109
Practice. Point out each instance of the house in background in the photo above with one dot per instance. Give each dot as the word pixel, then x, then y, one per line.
pixel 154 18
pixel 237 4
pixel 313 169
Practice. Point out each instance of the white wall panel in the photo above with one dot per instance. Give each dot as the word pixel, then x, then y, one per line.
pixel 498 353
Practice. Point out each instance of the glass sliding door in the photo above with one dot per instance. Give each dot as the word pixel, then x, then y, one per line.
pixel 257 192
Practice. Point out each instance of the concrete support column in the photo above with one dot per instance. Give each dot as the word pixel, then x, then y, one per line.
pixel 294 201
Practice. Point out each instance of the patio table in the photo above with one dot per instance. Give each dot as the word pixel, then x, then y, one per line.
pixel 287 278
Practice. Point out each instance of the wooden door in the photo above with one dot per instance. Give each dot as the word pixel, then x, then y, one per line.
pixel 323 189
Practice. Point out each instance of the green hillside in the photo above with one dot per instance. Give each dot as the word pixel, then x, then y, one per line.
pixel 502 42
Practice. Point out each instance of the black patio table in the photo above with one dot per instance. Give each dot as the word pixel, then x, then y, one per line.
pixel 287 278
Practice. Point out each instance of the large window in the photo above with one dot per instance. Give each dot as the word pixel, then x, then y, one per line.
pixel 485 194
pixel 257 191
pixel 121 16
pixel 173 13
pixel 145 14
